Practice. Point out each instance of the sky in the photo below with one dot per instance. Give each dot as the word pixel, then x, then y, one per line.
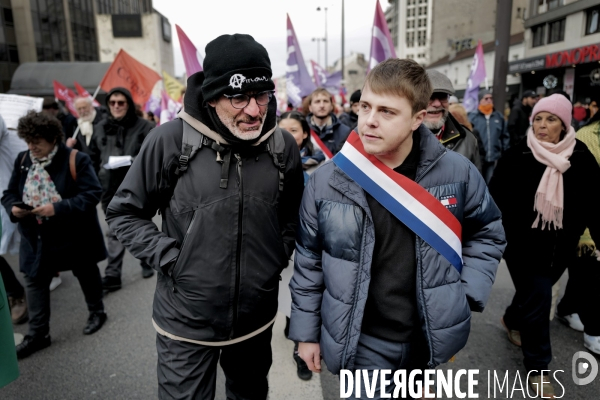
pixel 265 20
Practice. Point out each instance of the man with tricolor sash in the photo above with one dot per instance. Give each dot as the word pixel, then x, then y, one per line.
pixel 398 242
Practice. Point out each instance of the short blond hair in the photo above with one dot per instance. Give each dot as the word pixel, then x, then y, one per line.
pixel 403 78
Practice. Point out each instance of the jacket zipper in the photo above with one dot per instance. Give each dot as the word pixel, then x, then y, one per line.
pixel 487 121
pixel 236 293
pixel 420 267
pixel 185 238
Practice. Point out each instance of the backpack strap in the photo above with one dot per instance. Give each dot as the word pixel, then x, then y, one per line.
pixel 191 143
pixel 72 165
pixel 275 147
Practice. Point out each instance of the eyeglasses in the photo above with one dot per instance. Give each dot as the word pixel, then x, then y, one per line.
pixel 241 101
pixel 440 96
pixel 119 103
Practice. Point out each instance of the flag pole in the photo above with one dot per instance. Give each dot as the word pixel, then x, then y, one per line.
pixel 93 98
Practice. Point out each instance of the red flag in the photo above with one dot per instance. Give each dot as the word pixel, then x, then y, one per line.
pixel 61 92
pixel 127 72
pixel 84 93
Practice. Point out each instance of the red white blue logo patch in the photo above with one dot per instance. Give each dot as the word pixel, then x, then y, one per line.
pixel 449 201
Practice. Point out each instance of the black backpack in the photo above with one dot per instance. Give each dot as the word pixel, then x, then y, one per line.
pixel 193 141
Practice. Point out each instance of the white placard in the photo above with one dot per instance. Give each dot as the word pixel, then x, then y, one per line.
pixel 13 107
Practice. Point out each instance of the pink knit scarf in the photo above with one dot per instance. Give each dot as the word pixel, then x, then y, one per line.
pixel 549 197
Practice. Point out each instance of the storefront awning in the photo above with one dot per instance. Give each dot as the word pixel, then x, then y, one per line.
pixel 35 78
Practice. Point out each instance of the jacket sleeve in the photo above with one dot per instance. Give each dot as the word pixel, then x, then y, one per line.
pixel 307 284
pixel 504 135
pixel 12 194
pixel 293 185
pixel 483 242
pixel 88 190
pixel 137 200
pixel 592 175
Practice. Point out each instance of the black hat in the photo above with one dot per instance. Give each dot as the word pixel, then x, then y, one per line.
pixel 235 64
pixel 355 98
pixel 530 93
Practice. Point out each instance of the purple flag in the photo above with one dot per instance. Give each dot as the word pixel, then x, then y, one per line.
pixel 471 101
pixel 331 82
pixel 153 104
pixel 298 83
pixel 382 46
pixel 191 57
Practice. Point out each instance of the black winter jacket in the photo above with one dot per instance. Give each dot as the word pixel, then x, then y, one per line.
pixel 333 136
pixel 220 251
pixel 513 187
pixel 73 233
pixel 107 141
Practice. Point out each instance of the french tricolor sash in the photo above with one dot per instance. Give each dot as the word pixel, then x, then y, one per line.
pixel 414 206
pixel 316 140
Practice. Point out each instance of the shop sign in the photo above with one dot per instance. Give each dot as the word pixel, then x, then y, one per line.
pixel 579 55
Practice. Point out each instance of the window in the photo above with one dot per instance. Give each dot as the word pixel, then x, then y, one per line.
pixel 127 25
pixel 556 31
pixel 8 17
pixel 591 25
pixel 538 35
pixel 410 39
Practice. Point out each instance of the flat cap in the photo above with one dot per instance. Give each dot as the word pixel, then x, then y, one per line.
pixel 440 82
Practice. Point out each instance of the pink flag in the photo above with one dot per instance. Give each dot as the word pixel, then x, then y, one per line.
pixel 61 92
pixel 191 57
pixel 477 76
pixel 84 93
pixel 382 46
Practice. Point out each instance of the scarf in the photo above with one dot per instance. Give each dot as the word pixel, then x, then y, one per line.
pixel 549 197
pixel 39 189
pixel 487 109
pixel 86 126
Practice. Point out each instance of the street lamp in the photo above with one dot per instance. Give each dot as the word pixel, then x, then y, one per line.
pixel 325 9
pixel 319 40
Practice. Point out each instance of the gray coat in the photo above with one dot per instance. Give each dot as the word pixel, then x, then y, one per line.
pixel 334 249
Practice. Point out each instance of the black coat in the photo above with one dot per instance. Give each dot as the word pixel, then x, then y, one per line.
pixel 518 123
pixel 513 187
pixel 108 141
pixel 228 245
pixel 73 233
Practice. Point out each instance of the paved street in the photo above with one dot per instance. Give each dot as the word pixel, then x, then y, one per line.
pixel 119 361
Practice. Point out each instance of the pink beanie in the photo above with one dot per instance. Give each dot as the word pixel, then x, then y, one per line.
pixel 556 104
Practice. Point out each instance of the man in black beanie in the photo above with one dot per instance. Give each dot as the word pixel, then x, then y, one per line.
pixel 228 184
pixel 350 119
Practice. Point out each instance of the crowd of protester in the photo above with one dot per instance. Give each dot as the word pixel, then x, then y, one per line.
pixel 540 164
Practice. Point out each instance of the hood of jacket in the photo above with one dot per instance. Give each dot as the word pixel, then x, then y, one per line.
pixel 196 114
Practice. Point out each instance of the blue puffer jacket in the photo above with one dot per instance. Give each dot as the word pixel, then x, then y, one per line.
pixel 493 133
pixel 334 249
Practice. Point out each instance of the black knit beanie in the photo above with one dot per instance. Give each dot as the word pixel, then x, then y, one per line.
pixel 235 64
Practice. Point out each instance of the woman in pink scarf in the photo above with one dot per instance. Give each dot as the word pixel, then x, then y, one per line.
pixel 543 186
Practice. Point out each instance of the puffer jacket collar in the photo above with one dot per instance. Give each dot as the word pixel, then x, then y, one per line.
pixel 431 152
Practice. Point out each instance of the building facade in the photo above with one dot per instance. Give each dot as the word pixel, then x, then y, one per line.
pixel 69 31
pixel 562 48
pixel 410 25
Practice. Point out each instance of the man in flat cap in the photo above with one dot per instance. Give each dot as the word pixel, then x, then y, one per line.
pixel 442 123
pixel 228 184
